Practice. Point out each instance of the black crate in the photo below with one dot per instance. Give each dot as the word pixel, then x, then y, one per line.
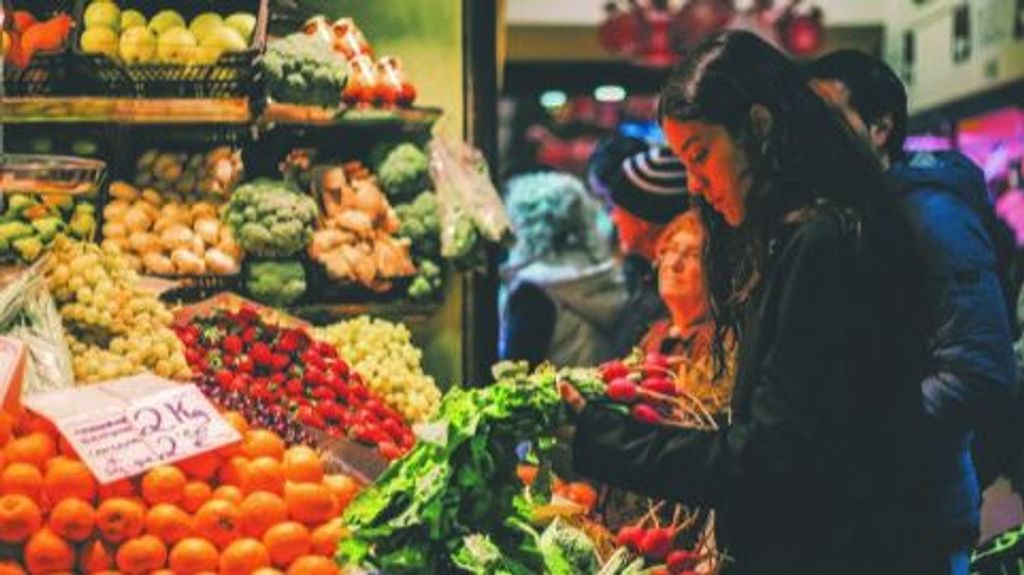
pixel 232 76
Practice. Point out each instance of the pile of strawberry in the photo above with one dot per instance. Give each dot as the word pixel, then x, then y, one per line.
pixel 644 387
pixel 284 375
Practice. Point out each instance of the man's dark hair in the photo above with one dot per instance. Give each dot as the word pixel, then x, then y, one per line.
pixel 875 90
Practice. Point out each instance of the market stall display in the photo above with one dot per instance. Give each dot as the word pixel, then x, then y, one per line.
pixel 114 327
pixel 250 505
pixel 281 376
pixel 382 353
pixel 462 499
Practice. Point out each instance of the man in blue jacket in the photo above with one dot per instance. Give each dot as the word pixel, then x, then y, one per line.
pixel 972 377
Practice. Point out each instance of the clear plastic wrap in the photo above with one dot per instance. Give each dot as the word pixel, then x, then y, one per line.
pixel 470 205
pixel 28 313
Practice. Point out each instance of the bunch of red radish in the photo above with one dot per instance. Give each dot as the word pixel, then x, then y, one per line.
pixel 639 386
pixel 658 544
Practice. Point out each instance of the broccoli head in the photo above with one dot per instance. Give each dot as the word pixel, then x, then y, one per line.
pixel 271 219
pixel 302 69
pixel 276 283
pixel 403 171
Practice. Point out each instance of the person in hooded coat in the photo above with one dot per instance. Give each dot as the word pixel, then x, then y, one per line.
pixel 972 379
pixel 562 291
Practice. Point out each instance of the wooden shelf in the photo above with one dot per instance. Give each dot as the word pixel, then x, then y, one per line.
pixel 313 117
pixel 124 110
pixel 406 311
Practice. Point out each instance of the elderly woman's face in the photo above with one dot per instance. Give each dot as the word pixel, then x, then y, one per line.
pixel 680 275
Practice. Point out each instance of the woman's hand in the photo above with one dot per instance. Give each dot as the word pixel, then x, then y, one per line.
pixel 572 397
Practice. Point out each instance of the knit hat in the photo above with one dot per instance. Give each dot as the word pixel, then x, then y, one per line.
pixel 649 183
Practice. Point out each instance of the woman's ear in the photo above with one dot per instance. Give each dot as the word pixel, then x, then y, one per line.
pixel 761 121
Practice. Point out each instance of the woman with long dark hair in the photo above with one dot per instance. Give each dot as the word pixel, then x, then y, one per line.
pixel 816 278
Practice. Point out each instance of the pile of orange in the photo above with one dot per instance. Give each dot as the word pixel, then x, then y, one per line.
pixel 254 508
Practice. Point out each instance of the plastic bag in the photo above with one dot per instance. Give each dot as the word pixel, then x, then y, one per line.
pixel 28 313
pixel 470 206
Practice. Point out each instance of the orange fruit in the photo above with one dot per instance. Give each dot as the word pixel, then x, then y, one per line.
pixel 19 518
pixel 68 478
pixel 325 538
pixel 243 557
pixel 237 421
pixel 202 466
pixel 6 427
pixel 34 448
pixel 262 443
pixel 302 464
pixel 94 557
pixel 196 493
pixel 267 571
pixel 343 487
pixel 73 519
pixel 169 523
pixel 119 488
pixel 11 568
pixel 310 503
pixel 313 565
pixel 233 471
pixel 228 493
pixel 194 555
pixel 141 555
pixel 219 522
pixel 46 552
pixel 287 542
pixel 119 518
pixel 263 474
pixel 22 478
pixel 163 484
pixel 260 511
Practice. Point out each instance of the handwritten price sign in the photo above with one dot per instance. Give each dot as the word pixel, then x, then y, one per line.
pixel 125 427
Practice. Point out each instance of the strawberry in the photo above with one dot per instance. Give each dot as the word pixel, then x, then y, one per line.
pixel 250 334
pixel 245 364
pixel 279 361
pixel 290 341
pixel 223 378
pixel 232 344
pixel 314 376
pixel 294 387
pixel 261 354
pixel 322 393
pixel 278 378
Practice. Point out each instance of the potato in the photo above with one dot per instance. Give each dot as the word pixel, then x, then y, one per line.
pixel 115 210
pixel 221 263
pixel 152 196
pixel 143 243
pixel 114 229
pixel 137 219
pixel 188 263
pixel 176 213
pixel 202 210
pixel 177 237
pixel 158 263
pixel 208 229
pixel 123 191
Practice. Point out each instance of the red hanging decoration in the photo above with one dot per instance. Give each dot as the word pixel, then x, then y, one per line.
pixel 802 31
pixel 653 33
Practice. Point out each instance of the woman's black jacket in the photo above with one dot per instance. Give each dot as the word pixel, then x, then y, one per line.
pixel 820 470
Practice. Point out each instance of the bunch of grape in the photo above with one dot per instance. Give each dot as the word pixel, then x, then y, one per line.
pixel 257 412
pixel 114 328
pixel 384 355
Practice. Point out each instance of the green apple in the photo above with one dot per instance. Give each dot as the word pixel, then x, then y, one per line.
pixel 176 46
pixel 244 23
pixel 204 23
pixel 131 18
pixel 99 40
pixel 103 15
pixel 138 45
pixel 166 20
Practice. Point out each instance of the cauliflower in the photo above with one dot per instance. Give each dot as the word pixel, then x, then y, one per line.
pixel 276 283
pixel 403 170
pixel 302 69
pixel 271 218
